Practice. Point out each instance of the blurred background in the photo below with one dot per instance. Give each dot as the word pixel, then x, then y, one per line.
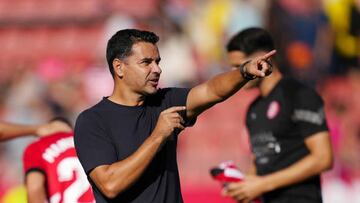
pixel 52 62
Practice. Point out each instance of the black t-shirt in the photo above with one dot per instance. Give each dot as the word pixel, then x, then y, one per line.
pixel 278 125
pixel 109 132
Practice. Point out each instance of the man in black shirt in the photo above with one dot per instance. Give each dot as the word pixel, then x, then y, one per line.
pixel 288 132
pixel 127 142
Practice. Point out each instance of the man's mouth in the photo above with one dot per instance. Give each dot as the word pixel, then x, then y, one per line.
pixel 154 82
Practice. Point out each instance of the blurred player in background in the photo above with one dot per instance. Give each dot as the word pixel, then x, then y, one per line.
pixel 288 132
pixel 52 170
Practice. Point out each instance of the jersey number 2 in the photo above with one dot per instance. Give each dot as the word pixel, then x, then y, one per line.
pixel 65 171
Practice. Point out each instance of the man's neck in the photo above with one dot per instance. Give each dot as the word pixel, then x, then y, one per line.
pixel 126 97
pixel 269 83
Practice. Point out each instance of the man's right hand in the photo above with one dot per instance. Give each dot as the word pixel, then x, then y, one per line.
pixel 169 120
pixel 260 66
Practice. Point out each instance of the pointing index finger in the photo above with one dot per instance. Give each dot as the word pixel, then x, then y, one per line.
pixel 175 109
pixel 268 55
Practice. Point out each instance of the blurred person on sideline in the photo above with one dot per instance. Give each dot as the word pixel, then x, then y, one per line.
pixel 288 132
pixel 306 46
pixel 52 170
pixel 127 142
pixel 12 130
pixel 344 18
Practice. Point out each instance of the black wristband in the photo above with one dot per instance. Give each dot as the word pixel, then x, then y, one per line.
pixel 246 75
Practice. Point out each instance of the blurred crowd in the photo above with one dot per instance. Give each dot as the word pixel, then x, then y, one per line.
pixel 52 62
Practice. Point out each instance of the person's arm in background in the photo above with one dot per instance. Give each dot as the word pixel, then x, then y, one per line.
pixel 222 86
pixel 318 160
pixel 252 168
pixel 12 130
pixel 35 187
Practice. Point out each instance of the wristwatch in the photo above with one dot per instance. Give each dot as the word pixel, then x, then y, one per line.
pixel 243 72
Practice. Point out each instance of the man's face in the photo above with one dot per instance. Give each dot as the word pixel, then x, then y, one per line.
pixel 236 58
pixel 141 68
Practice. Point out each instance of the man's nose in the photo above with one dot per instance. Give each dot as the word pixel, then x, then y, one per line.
pixel 156 68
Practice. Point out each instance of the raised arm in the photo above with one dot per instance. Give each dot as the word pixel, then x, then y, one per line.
pixel 224 85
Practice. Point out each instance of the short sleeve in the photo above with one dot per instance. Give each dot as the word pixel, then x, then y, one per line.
pixel 178 97
pixel 308 113
pixel 32 159
pixel 93 145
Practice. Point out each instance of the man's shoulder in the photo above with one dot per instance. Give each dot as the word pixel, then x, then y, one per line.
pixel 102 104
pixel 292 84
pixel 298 93
pixel 168 90
pixel 89 118
pixel 298 89
pixel 94 110
pixel 166 94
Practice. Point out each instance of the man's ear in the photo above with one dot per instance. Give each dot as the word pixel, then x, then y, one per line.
pixel 118 67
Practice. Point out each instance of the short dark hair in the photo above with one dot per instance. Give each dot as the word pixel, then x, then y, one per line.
pixel 120 44
pixel 250 41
